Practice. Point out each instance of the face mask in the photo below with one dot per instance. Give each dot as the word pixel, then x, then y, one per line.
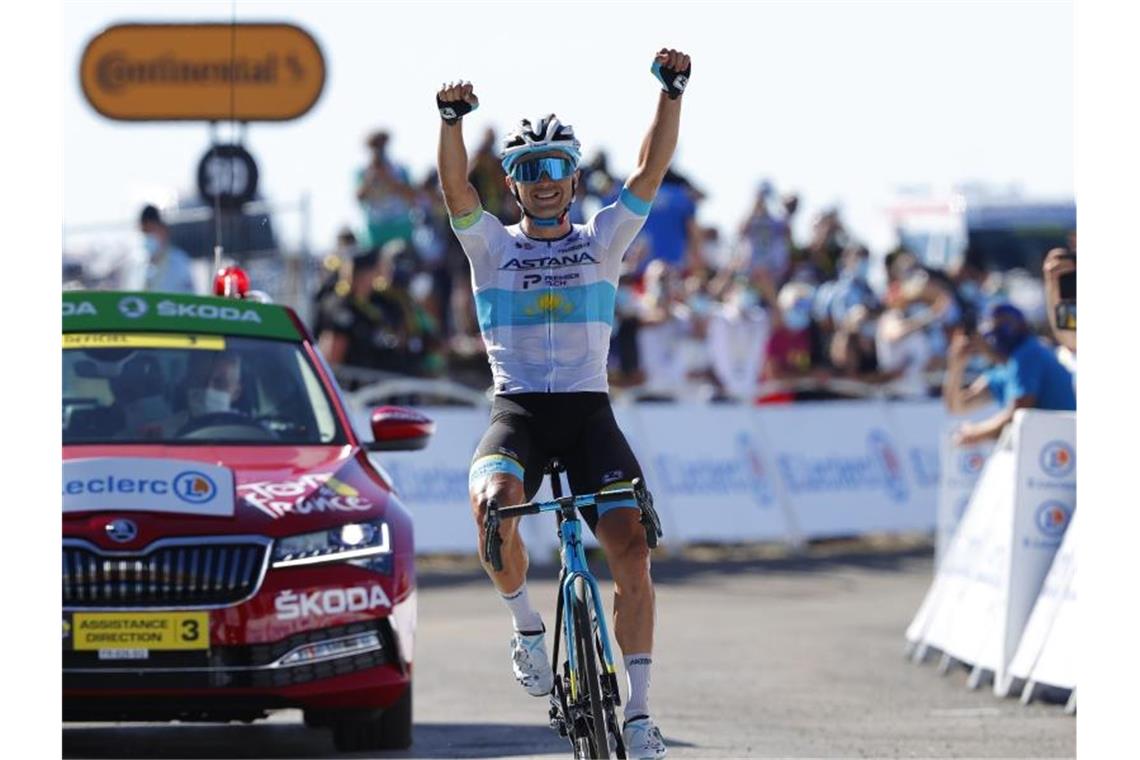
pixel 859 271
pixel 207 401
pixel 970 291
pixel 152 244
pixel 747 299
pixel 797 319
pixel 1004 339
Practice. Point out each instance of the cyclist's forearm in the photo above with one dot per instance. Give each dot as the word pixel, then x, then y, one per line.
pixel 458 193
pixel 657 148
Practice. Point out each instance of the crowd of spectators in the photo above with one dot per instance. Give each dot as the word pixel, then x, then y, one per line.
pixel 757 315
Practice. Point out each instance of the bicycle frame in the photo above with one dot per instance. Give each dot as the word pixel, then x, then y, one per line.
pixel 575 568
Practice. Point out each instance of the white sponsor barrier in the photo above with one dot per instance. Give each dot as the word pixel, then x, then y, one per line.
pixel 984 590
pixel 145 484
pixel 1047 653
pixel 961 466
pixel 718 473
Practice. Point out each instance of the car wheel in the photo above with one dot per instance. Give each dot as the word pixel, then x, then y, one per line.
pixel 392 730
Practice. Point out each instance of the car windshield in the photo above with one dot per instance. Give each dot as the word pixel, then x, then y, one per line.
pixel 192 389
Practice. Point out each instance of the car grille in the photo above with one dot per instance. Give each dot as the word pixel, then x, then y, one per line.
pixel 199 572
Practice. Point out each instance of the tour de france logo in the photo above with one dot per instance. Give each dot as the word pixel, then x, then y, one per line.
pixel 194 487
pixel 1057 459
pixel 1052 518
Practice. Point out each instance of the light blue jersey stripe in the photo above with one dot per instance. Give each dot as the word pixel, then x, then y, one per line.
pixel 633 203
pixel 498 307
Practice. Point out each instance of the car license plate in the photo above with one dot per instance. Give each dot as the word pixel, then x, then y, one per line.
pixel 135 631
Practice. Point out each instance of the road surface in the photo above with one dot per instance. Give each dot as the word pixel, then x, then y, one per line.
pixel 755 657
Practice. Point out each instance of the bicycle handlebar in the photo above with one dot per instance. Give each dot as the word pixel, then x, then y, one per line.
pixel 493 542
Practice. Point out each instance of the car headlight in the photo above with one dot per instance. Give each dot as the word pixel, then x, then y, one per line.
pixel 345 542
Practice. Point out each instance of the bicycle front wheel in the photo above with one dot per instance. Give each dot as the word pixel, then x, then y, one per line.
pixel 594 744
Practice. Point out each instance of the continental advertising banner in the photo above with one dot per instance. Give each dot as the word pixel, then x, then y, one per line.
pixel 202 72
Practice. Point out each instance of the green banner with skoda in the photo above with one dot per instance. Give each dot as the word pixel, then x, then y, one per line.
pixel 163 312
pixel 135 484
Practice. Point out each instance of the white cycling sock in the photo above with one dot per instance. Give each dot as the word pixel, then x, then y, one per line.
pixel 637 677
pixel 526 617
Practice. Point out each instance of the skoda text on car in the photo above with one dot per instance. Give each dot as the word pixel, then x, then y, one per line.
pixel 228 546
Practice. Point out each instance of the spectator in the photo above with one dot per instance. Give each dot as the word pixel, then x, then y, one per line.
pixel 168 266
pixel 902 347
pixel 852 347
pixel 671 229
pixel 490 181
pixel 836 297
pixel 384 192
pixel 363 329
pixel 404 292
pixel 766 238
pixel 819 261
pixel 664 323
pixel 332 270
pixel 624 359
pixel 738 332
pixel 1026 375
pixel 793 350
pixel 1058 263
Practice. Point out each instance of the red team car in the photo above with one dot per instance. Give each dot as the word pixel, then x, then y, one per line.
pixel 228 546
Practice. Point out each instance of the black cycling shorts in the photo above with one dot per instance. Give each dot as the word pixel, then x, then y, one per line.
pixel 529 429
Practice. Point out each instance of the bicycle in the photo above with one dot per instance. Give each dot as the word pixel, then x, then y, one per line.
pixel 584 698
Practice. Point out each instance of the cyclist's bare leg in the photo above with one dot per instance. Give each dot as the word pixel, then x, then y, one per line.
pixel 622 537
pixel 507 490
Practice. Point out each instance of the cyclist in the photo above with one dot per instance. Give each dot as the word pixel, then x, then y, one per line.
pixel 544 293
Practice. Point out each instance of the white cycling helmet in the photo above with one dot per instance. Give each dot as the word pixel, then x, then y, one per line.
pixel 547 133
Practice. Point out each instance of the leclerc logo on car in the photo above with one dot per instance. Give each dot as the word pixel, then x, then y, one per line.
pixel 194 487
pixel 1057 459
pixel 189 486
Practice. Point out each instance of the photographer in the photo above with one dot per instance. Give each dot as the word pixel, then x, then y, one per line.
pixel 1026 374
pixel 1060 273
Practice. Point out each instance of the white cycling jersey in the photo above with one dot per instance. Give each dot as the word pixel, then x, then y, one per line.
pixel 546 307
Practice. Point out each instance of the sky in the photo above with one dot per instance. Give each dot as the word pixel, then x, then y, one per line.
pixel 841 103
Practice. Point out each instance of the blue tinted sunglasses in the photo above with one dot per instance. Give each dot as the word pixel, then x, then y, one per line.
pixel 531 170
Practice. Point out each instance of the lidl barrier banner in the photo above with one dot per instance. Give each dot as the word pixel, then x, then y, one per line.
pixel 1048 650
pixel 983 592
pixel 719 473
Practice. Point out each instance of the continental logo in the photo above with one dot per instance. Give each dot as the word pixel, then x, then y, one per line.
pixel 550 262
pixel 118 69
pixel 202 72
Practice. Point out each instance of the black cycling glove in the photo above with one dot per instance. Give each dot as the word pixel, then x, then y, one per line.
pixel 672 82
pixel 452 111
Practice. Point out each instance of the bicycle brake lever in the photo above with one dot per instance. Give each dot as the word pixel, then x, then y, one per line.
pixel 492 541
pixel 649 517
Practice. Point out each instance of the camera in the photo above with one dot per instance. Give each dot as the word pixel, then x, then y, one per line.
pixel 1066 308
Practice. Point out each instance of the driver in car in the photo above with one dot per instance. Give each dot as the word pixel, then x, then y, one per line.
pixel 214 384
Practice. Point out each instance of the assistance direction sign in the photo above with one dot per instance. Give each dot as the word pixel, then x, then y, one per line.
pixel 202 72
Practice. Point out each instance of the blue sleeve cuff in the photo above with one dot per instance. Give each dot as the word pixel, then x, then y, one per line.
pixel 633 203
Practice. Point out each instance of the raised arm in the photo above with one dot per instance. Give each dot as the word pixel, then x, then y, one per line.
pixel 455 100
pixel 672 68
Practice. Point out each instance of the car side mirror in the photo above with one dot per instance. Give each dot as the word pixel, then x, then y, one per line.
pixel 398 428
